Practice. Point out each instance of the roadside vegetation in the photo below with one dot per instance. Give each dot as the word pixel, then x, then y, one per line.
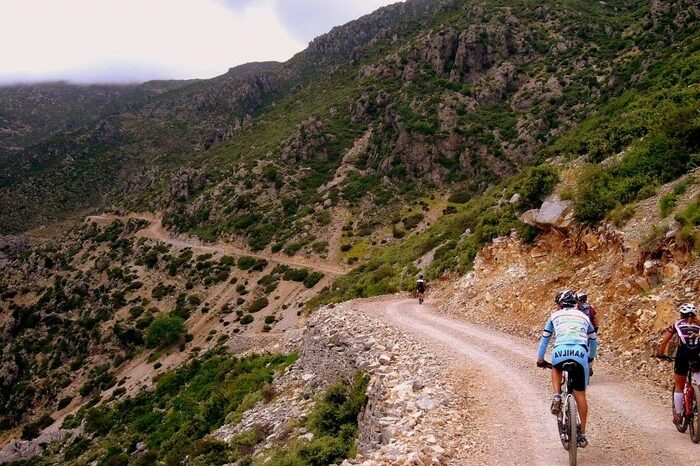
pixel 171 421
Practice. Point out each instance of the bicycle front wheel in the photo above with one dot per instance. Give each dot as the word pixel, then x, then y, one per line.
pixel 572 427
pixel 694 421
pixel 683 425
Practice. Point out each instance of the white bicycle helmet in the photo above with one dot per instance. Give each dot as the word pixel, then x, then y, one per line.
pixel 687 309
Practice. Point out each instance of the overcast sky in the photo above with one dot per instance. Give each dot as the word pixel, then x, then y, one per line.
pixel 137 40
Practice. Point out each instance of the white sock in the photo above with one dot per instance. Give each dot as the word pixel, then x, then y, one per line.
pixel 678 402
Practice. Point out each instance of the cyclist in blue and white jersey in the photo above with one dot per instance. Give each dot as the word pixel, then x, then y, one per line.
pixel 575 340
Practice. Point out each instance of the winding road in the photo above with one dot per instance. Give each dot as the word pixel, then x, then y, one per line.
pixel 629 421
pixel 157 232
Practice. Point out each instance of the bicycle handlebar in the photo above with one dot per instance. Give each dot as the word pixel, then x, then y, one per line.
pixel 665 358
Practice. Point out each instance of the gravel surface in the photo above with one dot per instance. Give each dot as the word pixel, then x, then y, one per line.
pixel 508 399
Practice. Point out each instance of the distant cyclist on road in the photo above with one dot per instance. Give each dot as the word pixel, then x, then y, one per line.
pixel 575 340
pixel 585 307
pixel 687 329
pixel 420 288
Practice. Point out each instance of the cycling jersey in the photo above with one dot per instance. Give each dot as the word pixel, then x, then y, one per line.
pixel 575 338
pixel 688 333
pixel 420 285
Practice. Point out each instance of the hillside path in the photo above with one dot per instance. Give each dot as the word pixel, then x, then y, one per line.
pixel 509 397
pixel 156 231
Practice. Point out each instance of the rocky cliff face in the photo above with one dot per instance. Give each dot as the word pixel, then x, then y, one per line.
pixel 634 279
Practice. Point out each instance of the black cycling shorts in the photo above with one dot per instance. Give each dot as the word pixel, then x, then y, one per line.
pixel 421 289
pixel 684 356
pixel 577 374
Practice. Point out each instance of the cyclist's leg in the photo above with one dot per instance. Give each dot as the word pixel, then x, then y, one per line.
pixel 680 371
pixel 579 380
pixel 582 405
pixel 556 380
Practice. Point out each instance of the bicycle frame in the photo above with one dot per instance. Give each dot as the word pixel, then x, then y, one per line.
pixel 568 435
pixel 567 398
pixel 691 395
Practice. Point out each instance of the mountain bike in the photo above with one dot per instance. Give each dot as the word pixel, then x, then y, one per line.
pixel 690 420
pixel 421 297
pixel 568 420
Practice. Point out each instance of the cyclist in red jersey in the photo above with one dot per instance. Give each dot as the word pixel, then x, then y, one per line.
pixel 585 307
pixel 687 329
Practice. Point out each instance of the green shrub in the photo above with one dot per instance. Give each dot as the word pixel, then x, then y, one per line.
pixel 63 402
pixel 413 220
pixel 292 248
pixel 296 275
pixel 593 197
pixel 270 319
pixel 246 262
pixel 621 214
pixel 98 421
pixel 32 430
pixel 333 422
pixel 690 215
pixel 227 261
pixel 247 319
pixel 160 291
pixel 79 446
pixel 259 265
pixel 319 247
pixel 460 197
pixel 312 279
pixel 150 259
pixel 397 233
pixel 539 183
pixel 667 203
pixel 258 304
pixel 164 331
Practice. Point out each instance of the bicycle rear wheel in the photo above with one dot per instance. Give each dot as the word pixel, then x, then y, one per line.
pixel 683 426
pixel 572 427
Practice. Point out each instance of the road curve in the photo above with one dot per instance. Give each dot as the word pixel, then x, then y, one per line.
pixel 629 421
pixel 155 231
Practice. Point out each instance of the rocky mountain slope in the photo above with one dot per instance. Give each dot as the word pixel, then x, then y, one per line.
pixel 423 137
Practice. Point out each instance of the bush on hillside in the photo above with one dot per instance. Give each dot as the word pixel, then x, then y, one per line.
pixel 460 197
pixel 258 304
pixel 539 183
pixel 412 221
pixel 296 275
pixel 312 279
pixel 33 429
pixel 333 422
pixel 165 331
pixel 246 262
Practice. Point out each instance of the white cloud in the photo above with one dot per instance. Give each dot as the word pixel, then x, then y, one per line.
pixel 136 40
pixel 85 40
pixel 309 18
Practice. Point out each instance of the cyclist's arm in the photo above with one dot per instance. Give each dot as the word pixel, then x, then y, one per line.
pixel 594 319
pixel 544 341
pixel 592 342
pixel 665 341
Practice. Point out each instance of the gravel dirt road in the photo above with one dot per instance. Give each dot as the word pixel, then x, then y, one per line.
pixel 629 421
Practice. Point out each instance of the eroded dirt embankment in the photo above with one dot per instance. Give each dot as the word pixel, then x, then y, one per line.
pixel 512 288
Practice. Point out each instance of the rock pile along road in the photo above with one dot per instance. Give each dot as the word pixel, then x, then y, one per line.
pixel 509 397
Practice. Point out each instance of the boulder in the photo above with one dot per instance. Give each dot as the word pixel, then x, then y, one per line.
pixel 552 214
pixel 555 213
